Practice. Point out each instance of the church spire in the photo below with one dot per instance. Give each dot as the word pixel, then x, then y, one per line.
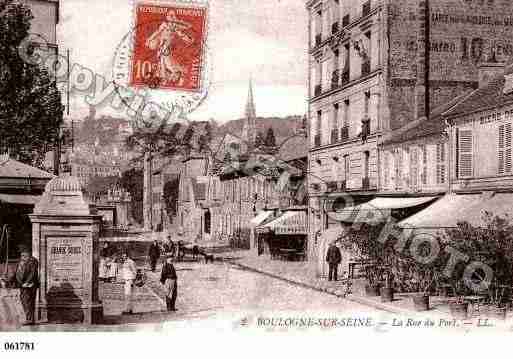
pixel 249 129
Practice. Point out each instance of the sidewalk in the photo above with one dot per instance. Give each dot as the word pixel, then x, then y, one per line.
pixel 304 274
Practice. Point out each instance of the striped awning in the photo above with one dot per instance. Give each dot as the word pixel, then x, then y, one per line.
pixel 291 222
pixel 260 218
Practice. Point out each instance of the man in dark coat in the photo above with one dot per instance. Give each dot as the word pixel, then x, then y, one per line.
pixel 27 279
pixel 333 257
pixel 168 279
pixel 154 254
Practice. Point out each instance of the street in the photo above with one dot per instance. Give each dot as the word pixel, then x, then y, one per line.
pixel 212 290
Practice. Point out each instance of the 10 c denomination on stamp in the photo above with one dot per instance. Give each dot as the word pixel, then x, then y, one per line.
pixel 168 47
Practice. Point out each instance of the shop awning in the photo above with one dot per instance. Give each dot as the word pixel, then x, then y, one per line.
pixel 378 209
pixel 291 222
pixel 25 199
pixel 260 218
pixel 444 213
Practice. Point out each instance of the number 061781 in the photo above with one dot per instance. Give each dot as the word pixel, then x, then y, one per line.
pixel 19 346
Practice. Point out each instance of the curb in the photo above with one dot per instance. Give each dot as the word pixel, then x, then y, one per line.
pixel 335 292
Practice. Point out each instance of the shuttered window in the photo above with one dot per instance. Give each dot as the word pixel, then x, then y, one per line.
pixel 504 148
pixel 398 159
pixel 465 154
pixel 386 169
pixel 440 163
pixel 414 168
pixel 424 165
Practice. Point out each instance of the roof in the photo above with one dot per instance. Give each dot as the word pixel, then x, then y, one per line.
pixel 486 97
pixel 15 169
pixel 293 148
pixel 424 127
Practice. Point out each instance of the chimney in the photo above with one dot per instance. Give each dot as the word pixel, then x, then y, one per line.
pixel 490 69
pixel 422 84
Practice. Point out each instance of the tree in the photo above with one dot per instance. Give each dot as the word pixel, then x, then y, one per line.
pixel 30 104
pixel 259 140
pixel 171 196
pixel 270 140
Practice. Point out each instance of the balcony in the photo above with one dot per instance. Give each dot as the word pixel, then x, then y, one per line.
pixel 334 136
pixel 366 68
pixel 345 20
pixel 318 40
pixel 365 183
pixel 345 77
pixel 343 185
pixel 331 186
pixel 334 28
pixel 335 78
pixel 344 133
pixel 366 8
pixel 317 141
pixel 317 90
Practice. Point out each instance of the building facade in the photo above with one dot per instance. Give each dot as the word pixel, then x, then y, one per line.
pixel 378 67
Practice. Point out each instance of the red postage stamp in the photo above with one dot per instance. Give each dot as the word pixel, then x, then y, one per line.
pixel 168 47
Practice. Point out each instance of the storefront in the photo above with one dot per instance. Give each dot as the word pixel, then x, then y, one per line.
pixel 285 236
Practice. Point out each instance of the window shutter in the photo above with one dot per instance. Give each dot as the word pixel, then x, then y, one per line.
pixel 440 163
pixel 507 148
pixel 501 149
pixel 386 170
pixel 465 153
pixel 424 165
pixel 414 163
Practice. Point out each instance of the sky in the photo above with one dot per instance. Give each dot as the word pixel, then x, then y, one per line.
pixel 262 39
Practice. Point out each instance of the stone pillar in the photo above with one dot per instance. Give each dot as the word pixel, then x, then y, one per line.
pixel 65 235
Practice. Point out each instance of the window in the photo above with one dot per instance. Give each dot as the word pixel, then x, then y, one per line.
pixel 504 148
pixel 440 163
pixel 346 113
pixel 335 116
pixel 366 103
pixel 464 143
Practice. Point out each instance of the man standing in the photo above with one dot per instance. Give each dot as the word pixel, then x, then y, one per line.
pixel 27 278
pixel 129 274
pixel 168 280
pixel 154 254
pixel 333 257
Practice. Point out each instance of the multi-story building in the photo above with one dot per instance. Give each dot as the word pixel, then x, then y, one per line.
pixel 376 67
pixel 479 171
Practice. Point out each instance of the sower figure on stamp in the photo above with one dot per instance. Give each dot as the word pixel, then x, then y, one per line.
pixel 168 279
pixel 27 279
pixel 154 254
pixel 333 257
pixel 129 274
pixel 169 69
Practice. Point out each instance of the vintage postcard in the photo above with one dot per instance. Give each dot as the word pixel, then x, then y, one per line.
pixel 329 169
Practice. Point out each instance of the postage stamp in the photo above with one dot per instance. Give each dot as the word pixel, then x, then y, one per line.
pixel 168 46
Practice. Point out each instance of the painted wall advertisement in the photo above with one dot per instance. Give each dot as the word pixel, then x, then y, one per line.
pixel 463 33
pixel 65 263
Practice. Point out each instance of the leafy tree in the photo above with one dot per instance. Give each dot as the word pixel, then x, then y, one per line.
pixel 133 182
pixel 30 104
pixel 270 140
pixel 99 186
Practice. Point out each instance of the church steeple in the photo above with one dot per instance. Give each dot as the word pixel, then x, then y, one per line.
pixel 249 129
